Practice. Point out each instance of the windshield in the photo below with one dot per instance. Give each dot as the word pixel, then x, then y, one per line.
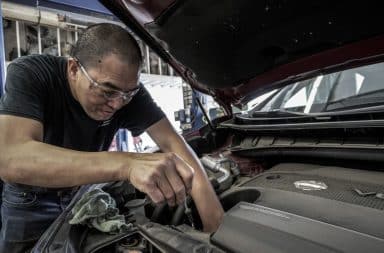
pixel 349 89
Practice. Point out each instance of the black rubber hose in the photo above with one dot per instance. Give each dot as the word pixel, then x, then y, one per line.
pixel 178 216
pixel 157 213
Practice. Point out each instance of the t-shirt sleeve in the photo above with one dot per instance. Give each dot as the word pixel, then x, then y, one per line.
pixel 24 93
pixel 141 113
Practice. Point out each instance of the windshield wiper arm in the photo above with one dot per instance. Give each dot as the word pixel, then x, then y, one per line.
pixel 279 113
pixel 361 100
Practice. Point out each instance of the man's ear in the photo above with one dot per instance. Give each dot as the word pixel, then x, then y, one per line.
pixel 72 69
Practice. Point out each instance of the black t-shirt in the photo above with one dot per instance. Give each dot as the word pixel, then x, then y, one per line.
pixel 37 88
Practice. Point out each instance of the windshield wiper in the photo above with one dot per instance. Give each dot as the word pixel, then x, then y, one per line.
pixel 279 113
pixel 369 99
pixel 373 105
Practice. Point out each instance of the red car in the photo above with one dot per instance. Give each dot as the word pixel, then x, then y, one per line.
pixel 302 168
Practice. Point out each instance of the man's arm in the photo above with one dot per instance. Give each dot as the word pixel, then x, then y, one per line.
pixel 206 201
pixel 26 159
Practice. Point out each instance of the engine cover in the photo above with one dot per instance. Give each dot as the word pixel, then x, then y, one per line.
pixel 254 228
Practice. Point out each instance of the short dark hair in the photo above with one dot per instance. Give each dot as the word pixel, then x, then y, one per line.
pixel 102 39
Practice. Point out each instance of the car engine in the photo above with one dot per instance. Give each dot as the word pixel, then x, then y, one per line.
pixel 272 203
pixel 290 207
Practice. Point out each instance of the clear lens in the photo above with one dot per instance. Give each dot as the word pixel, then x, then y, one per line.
pixel 114 94
pixel 107 92
pixel 111 94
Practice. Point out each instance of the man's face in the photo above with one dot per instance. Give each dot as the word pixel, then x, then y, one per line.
pixel 104 89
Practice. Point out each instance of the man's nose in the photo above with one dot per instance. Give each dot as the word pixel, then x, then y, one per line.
pixel 115 104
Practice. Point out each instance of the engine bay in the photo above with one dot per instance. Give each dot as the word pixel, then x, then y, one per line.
pixel 272 204
pixel 290 207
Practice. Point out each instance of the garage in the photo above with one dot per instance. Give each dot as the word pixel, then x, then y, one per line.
pixel 192 126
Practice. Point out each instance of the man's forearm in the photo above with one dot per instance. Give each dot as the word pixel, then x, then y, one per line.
pixel 205 198
pixel 207 203
pixel 40 164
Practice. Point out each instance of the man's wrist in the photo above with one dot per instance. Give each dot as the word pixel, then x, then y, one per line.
pixel 120 165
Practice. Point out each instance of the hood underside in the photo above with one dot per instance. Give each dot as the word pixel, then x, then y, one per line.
pixel 236 48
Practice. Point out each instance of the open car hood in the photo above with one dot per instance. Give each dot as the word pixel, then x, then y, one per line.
pixel 236 49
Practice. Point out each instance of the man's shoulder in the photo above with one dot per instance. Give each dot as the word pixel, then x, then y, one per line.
pixel 40 67
pixel 38 60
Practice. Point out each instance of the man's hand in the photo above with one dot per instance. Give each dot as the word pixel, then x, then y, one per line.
pixel 206 201
pixel 163 177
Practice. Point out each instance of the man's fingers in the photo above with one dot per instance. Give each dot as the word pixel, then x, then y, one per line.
pixel 177 184
pixel 185 171
pixel 166 188
pixel 155 194
pixel 163 178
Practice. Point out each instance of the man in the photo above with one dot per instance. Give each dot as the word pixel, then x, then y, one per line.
pixel 59 115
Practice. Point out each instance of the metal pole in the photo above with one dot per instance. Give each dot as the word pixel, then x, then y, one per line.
pixel 148 62
pixel 18 39
pixel 69 36
pixel 58 42
pixel 204 113
pixel 76 34
pixel 39 38
pixel 160 70
pixel 2 56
